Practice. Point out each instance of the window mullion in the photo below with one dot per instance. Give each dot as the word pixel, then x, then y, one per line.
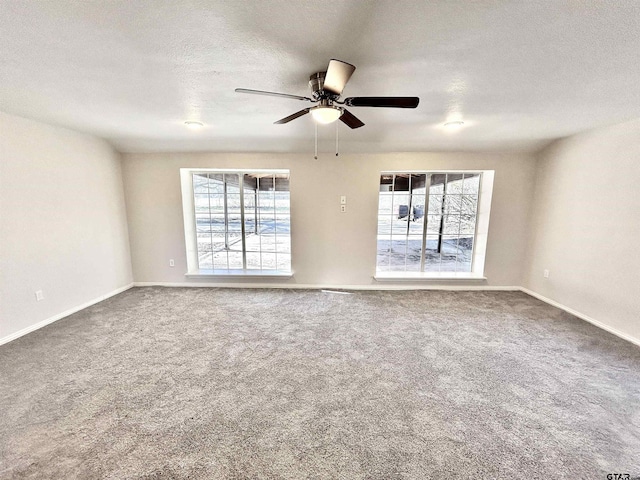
pixel 423 252
pixel 242 229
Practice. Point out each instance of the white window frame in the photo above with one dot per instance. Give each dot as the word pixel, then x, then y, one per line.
pixel 483 214
pixel 190 231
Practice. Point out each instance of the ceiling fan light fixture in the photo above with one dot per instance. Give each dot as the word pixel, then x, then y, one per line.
pixel 326 113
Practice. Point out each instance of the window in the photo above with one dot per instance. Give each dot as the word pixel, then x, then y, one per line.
pixel 428 223
pixel 237 222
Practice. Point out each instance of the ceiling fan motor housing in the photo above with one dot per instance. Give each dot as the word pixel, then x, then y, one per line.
pixel 316 84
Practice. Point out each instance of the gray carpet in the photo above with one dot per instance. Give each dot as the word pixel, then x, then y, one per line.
pixel 271 384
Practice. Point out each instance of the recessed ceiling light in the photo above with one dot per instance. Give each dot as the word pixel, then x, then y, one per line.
pixel 193 124
pixel 454 124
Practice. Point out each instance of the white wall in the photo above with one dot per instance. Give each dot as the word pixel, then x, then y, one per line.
pixel 63 223
pixel 585 226
pixel 328 247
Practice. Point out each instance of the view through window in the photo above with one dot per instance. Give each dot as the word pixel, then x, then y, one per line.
pixel 242 220
pixel 427 221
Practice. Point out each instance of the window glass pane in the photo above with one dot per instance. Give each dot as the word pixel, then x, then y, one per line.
pixel 217 223
pixel 233 185
pixel 283 244
pixel 266 226
pixel 384 224
pixel 201 202
pixel 414 252
pixel 200 183
pixel 204 243
pixel 235 259
pixel 220 259
pixel 436 185
pixel 433 224
pixel 234 222
pixel 218 244
pixel 451 224
pixel 215 203
pixel 233 203
pixel 418 183
pixel 398 253
pixel 416 227
pixel 382 260
pixel 282 202
pixel 205 261
pixel 452 203
pixel 399 226
pixel 471 183
pixel 249 225
pixel 283 224
pixel 216 183
pixel 469 204
pixel 465 250
pixel 386 183
pixel 401 182
pixel 284 262
pixel 435 204
pixel 432 254
pixel 385 204
pixel 268 261
pixel 268 242
pixel 249 202
pixel 454 183
pixel 401 205
pixel 467 224
pixel 203 223
pixel 448 253
pixel 253 260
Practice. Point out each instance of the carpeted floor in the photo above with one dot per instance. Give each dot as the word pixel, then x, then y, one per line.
pixel 294 384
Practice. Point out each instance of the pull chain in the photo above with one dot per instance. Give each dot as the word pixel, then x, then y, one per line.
pixel 337 139
pixel 316 151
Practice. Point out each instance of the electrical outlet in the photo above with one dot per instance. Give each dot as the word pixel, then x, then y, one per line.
pixel 343 200
pixel 172 263
pixel 546 273
pixel 343 208
pixel 39 295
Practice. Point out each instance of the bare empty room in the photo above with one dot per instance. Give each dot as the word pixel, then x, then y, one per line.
pixel 349 239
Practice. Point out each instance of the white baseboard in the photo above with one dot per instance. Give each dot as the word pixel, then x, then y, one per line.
pixel 582 316
pixel 59 316
pixel 303 286
pixel 553 303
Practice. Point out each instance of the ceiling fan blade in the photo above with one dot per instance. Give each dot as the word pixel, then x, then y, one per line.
pixel 337 76
pixel 292 117
pixel 388 102
pixel 351 120
pixel 272 94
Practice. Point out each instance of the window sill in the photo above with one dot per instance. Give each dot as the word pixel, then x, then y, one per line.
pixel 426 276
pixel 238 274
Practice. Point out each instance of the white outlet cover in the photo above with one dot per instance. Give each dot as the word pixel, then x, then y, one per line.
pixel 343 200
pixel 343 208
pixel 172 263
pixel 39 295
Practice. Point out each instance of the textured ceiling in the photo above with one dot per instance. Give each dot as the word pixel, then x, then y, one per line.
pixel 519 73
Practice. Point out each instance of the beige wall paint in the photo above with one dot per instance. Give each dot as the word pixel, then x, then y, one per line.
pixel 63 223
pixel 329 247
pixel 586 224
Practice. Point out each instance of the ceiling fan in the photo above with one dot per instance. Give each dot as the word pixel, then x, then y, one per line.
pixel 326 88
